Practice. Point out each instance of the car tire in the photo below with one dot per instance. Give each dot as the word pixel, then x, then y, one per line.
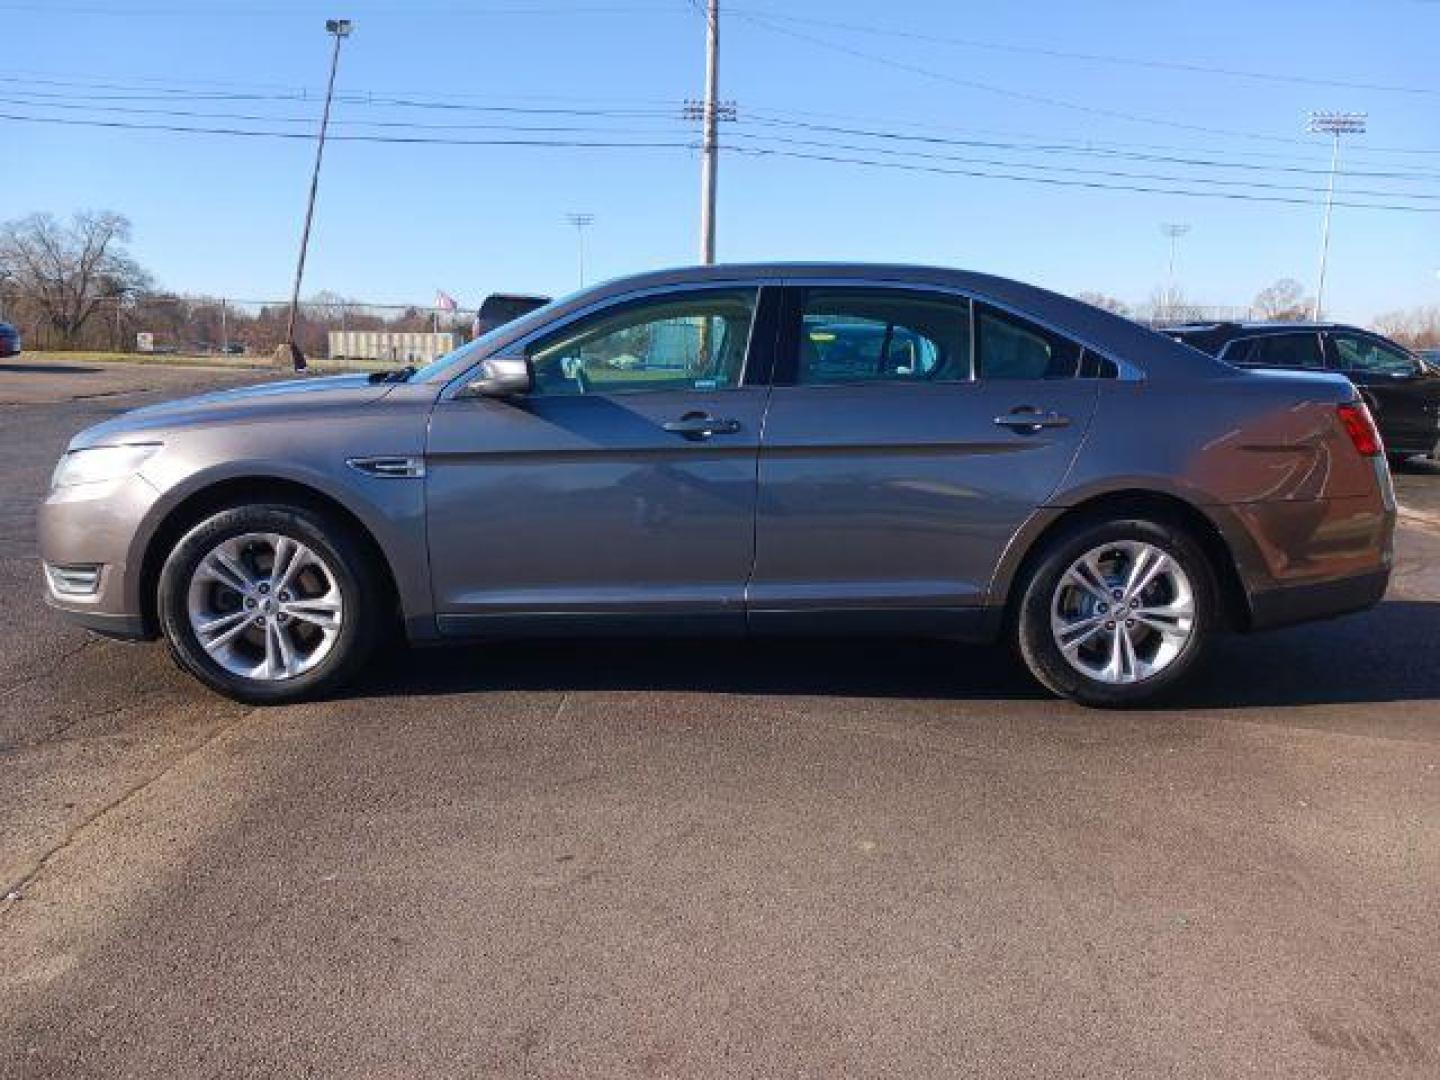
pixel 1176 615
pixel 1398 460
pixel 217 577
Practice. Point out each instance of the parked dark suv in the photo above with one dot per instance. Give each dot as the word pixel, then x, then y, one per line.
pixel 1402 391
pixel 9 340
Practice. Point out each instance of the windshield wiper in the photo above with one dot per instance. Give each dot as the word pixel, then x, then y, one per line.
pixel 394 375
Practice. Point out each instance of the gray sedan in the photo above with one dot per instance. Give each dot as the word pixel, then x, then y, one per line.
pixel 730 450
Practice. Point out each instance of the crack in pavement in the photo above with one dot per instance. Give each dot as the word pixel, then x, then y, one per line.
pixel 11 894
pixel 88 642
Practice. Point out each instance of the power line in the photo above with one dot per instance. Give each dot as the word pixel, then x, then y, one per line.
pixel 1100 58
pixel 1234 196
pixel 1099 150
pixel 1018 95
pixel 1081 170
pixel 410 125
pixel 664 107
pixel 887 137
pixel 472 11
pixel 750 150
pixel 188 129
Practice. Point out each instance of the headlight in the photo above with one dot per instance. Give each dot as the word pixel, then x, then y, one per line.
pixel 100 463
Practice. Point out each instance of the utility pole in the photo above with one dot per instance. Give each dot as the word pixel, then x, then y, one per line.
pixel 339 29
pixel 1174 230
pixel 1333 124
pixel 581 223
pixel 709 143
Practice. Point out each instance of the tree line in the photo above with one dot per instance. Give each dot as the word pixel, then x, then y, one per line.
pixel 74 285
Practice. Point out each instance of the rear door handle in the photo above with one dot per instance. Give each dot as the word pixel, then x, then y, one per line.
pixel 700 426
pixel 1028 419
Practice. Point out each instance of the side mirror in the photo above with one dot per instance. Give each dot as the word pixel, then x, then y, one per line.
pixel 501 376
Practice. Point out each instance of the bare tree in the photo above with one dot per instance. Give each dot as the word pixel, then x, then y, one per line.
pixel 1418 327
pixel 65 272
pixel 1283 301
pixel 1104 302
pixel 1169 305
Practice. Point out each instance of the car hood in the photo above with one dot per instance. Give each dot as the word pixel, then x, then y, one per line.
pixel 298 398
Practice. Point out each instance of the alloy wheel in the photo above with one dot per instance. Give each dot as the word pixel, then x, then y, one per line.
pixel 264 606
pixel 1123 612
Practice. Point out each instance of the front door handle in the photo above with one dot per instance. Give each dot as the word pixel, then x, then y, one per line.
pixel 698 425
pixel 1026 418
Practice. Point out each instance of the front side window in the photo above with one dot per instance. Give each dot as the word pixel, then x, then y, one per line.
pixel 1278 350
pixel 865 335
pixel 1010 348
pixel 694 340
pixel 1366 356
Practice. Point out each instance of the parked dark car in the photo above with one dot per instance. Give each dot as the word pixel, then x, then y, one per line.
pixel 761 449
pixel 9 340
pixel 1403 391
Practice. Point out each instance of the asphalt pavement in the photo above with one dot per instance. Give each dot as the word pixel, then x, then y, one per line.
pixel 670 858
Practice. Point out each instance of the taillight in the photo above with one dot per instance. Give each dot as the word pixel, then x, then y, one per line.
pixel 1356 420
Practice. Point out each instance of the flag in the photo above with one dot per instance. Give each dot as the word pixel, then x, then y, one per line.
pixel 444 301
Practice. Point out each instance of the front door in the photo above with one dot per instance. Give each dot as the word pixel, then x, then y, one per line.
pixel 623 486
pixel 905 445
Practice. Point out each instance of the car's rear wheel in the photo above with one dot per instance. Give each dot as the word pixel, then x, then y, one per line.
pixel 1116 613
pixel 269 603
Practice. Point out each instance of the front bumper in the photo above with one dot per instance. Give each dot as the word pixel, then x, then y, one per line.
pixel 98 526
pixel 123 627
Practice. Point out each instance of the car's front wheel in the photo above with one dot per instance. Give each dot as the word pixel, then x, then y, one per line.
pixel 269 603
pixel 1116 613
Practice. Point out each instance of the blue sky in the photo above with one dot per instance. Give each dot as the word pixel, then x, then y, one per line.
pixel 220 214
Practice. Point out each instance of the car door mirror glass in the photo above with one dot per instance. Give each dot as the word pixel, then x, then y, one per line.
pixel 500 376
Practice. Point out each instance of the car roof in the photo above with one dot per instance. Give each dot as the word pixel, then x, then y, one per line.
pixel 1104 331
pixel 1255 328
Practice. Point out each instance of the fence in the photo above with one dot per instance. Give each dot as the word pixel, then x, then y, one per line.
pixel 215 326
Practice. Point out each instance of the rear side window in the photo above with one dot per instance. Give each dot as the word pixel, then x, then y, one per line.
pixel 865 335
pixel 1010 348
pixel 1278 350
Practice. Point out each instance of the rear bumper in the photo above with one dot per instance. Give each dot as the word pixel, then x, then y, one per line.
pixel 1304 603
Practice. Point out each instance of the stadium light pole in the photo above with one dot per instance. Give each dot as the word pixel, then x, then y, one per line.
pixel 339 29
pixel 1174 230
pixel 581 223
pixel 1333 124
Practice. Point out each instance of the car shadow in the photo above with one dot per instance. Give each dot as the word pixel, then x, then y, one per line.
pixel 1387 654
pixel 47 369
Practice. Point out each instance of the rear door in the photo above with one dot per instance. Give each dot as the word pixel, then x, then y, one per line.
pixel 908 438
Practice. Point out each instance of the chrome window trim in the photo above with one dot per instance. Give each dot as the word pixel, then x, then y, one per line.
pixel 519 346
pixel 1125 370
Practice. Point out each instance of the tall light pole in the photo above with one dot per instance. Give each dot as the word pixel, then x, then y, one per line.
pixel 1174 230
pixel 1333 124
pixel 709 143
pixel 339 29
pixel 581 223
